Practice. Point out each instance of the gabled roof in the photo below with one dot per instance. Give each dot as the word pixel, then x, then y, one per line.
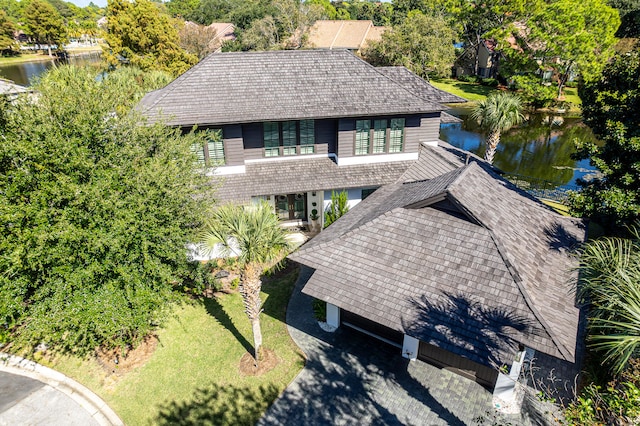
pixel 464 261
pixel 343 34
pixel 242 87
pixel 419 86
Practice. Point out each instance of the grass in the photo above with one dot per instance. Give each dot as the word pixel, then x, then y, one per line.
pixel 472 92
pixel 193 374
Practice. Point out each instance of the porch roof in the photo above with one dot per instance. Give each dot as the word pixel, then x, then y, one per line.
pixel 464 261
pixel 299 174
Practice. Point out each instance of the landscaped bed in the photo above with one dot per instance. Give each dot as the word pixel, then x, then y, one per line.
pixel 191 373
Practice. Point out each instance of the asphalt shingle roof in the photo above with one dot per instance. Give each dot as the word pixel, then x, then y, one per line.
pixel 241 87
pixel 464 261
pixel 419 86
pixel 302 175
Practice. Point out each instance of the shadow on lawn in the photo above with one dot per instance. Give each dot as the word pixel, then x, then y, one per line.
pixel 228 405
pixel 216 310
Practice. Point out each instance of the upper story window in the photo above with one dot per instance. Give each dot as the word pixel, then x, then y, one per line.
pixel 289 138
pixel 211 152
pixel 379 136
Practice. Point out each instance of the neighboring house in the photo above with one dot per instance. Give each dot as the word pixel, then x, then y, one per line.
pixel 480 60
pixel 343 34
pixel 457 267
pixel 298 124
pixel 225 31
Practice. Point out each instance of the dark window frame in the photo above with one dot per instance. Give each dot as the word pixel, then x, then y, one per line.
pixel 372 126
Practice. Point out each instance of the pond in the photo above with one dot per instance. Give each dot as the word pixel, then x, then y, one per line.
pixel 538 149
pixel 25 73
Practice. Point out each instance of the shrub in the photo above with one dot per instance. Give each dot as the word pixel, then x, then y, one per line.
pixel 468 78
pixel 490 82
pixel 617 404
pixel 201 278
pixel 319 310
pixel 533 92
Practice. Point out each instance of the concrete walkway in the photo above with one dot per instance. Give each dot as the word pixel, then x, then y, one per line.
pixel 350 378
pixel 31 394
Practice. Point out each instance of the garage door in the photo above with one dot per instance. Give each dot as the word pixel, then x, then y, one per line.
pixel 486 376
pixel 371 328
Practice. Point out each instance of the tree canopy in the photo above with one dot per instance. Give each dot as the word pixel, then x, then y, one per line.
pixel 96 210
pixel 422 43
pixel 143 35
pixel 6 32
pixel 45 23
pixel 610 107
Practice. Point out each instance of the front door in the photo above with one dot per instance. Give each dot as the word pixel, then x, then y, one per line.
pixel 291 206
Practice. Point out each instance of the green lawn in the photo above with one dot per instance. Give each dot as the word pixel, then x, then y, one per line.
pixel 26 57
pixel 470 91
pixel 192 377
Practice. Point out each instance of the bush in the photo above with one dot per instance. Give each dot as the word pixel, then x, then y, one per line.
pixel 490 82
pixel 201 278
pixel 319 310
pixel 618 404
pixel 533 92
pixel 468 78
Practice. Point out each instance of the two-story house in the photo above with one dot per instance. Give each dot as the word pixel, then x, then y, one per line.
pixel 296 125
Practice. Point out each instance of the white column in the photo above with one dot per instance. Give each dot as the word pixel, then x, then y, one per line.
pixel 333 315
pixel 410 347
pixel 506 383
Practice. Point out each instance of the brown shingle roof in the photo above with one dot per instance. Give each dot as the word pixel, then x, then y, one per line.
pixel 464 261
pixel 241 87
pixel 302 175
pixel 419 86
pixel 343 34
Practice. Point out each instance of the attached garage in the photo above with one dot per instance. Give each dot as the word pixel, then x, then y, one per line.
pixel 372 328
pixel 486 376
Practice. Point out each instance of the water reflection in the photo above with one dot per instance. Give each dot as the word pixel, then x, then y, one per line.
pixel 540 148
pixel 25 73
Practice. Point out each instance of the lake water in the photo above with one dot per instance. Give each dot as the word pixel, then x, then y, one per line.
pixel 540 148
pixel 25 73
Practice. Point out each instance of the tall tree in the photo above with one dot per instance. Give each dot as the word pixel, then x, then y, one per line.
pixel 198 40
pixel 610 107
pixel 7 42
pixel 254 235
pixel 143 35
pixel 497 113
pixel 422 43
pixel 45 24
pixel 96 210
pixel 573 36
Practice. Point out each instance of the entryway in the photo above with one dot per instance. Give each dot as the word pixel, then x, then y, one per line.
pixel 291 206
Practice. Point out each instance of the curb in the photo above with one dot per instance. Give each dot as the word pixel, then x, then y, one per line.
pixel 88 400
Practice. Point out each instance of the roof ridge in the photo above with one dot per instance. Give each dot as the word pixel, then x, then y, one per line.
pixel 377 69
pixel 513 271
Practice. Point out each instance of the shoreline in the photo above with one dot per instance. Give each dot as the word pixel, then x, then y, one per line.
pixel 38 57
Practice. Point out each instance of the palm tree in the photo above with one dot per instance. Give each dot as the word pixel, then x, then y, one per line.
pixel 497 113
pixel 254 235
pixel 610 269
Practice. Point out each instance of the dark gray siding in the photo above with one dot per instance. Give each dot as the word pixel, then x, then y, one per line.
pixel 253 141
pixel 346 137
pixel 429 127
pixel 326 136
pixel 233 147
